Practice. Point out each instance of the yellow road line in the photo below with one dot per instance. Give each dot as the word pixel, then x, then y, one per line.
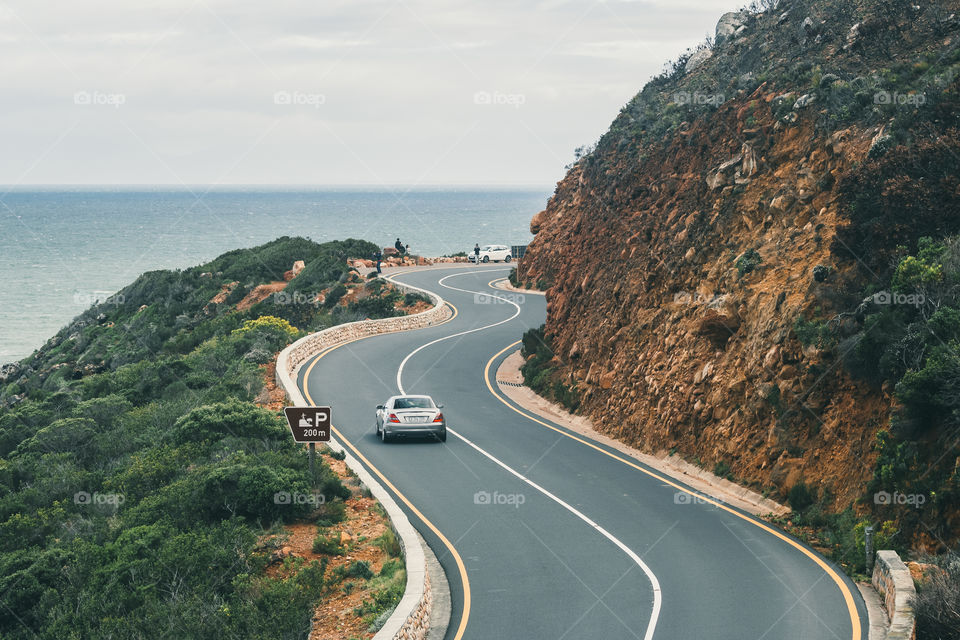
pixel 465 616
pixel 844 589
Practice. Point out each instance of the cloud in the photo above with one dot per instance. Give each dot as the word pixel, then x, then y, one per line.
pixel 379 89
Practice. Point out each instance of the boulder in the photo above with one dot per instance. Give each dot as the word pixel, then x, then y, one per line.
pixel 537 222
pixel 749 166
pixel 782 202
pixel 294 272
pixel 722 175
pixel 606 380
pixel 772 357
pixel 729 25
pixel 694 61
pixel 805 100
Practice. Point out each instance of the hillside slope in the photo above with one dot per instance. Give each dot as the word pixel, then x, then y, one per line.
pixel 710 265
pixel 145 489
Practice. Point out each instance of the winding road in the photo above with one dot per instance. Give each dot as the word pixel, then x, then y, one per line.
pixel 543 533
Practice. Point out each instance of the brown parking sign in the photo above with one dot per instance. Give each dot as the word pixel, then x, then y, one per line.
pixel 309 424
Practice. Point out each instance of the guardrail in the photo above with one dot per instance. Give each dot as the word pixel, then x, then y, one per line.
pixel 411 619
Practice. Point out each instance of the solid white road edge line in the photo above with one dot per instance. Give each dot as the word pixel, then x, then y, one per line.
pixel 654 582
pixel 462 333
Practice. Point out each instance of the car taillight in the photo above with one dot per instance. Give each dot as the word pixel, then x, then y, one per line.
pixel 439 418
pixel 393 418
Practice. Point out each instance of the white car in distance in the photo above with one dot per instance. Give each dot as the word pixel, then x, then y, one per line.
pixel 491 252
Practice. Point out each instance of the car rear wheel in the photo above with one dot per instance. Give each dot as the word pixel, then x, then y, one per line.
pixel 507 259
pixel 442 436
pixel 383 436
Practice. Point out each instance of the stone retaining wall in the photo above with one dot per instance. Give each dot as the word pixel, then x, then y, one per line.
pixel 307 347
pixel 893 582
pixel 411 619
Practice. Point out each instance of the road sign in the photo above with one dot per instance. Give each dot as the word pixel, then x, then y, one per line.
pixel 309 424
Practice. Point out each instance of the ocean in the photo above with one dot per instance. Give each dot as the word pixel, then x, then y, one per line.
pixel 61 249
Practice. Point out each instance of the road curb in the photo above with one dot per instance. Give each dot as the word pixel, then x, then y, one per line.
pixel 506 285
pixel 411 620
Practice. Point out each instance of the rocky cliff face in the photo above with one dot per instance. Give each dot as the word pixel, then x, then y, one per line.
pixel 680 255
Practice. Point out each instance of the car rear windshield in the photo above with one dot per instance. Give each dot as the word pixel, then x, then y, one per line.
pixel 413 403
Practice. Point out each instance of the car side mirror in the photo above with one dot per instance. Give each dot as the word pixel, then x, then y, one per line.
pixel 379 407
pixel 439 406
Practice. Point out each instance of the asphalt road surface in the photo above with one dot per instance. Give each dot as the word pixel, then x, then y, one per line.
pixel 543 534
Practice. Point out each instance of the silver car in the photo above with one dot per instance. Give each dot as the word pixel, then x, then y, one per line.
pixel 410 416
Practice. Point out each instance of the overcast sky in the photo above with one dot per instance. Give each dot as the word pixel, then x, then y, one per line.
pixel 331 92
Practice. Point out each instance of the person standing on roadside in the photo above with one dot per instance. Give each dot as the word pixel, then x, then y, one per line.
pixel 476 253
pixel 398 246
pixel 378 256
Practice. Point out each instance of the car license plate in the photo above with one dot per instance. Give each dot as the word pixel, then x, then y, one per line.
pixel 417 419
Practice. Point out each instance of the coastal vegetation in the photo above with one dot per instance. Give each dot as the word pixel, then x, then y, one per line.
pixel 139 477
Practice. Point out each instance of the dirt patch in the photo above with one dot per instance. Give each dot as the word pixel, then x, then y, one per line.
pixel 259 294
pixel 225 291
pixel 271 396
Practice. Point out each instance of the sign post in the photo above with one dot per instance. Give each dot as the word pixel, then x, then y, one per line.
pixel 311 425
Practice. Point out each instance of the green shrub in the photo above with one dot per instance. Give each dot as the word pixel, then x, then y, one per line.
pixel 390 567
pixel 327 545
pixel 233 418
pixel 801 496
pixel 332 512
pixel 359 569
pixel 749 261
pixel 333 297
pixel 721 469
pixel 387 541
pixel 375 306
pixel 813 333
pixel 268 325
pixel 410 299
